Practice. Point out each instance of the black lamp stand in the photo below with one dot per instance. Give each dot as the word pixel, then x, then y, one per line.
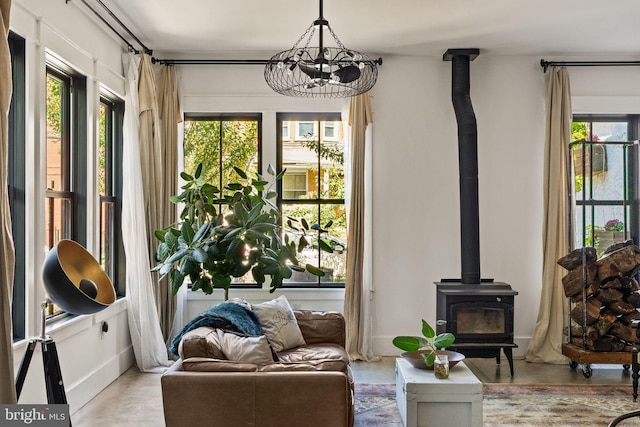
pixel 51 364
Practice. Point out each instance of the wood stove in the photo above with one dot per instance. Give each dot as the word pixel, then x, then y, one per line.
pixel 479 312
pixel 479 315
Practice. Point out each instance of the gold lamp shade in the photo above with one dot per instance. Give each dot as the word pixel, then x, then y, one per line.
pixel 74 280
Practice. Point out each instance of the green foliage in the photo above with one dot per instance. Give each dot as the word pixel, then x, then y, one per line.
pixel 430 342
pixel 226 233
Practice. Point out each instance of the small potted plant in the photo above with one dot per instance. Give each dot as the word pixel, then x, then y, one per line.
pixel 426 347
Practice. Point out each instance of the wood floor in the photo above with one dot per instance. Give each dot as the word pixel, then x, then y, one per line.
pixel 135 398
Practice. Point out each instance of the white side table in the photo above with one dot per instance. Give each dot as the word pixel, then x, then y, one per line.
pixel 425 401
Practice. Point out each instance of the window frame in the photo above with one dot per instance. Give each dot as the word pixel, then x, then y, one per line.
pixel 74 163
pixel 317 118
pixel 631 193
pixel 17 181
pixel 222 117
pixel 113 189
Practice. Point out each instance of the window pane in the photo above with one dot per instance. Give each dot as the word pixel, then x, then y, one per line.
pixel 306 130
pixel 332 263
pixel 102 151
pixel 602 173
pixel 300 158
pixel 107 238
pixel 220 145
pixel 56 150
pixel 58 216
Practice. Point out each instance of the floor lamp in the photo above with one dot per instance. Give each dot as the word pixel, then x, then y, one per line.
pixel 75 282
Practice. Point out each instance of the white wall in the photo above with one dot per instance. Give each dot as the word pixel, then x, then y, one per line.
pixel 89 358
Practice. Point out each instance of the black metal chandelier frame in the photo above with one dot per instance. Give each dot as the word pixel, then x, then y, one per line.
pixel 321 71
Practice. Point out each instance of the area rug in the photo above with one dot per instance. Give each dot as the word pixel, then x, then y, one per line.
pixel 514 405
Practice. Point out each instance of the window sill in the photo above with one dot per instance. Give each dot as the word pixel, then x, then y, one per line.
pixel 69 326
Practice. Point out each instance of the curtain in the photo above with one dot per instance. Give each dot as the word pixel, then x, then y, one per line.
pixel 357 301
pixel 146 336
pixel 7 260
pixel 546 341
pixel 170 116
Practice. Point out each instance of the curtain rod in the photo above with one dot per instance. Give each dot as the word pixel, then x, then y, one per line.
pixel 546 64
pixel 209 61
pixel 221 61
pixel 145 49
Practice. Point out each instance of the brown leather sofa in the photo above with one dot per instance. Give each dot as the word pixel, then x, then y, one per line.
pixel 309 386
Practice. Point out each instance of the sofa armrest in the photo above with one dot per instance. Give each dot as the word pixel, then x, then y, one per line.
pixel 321 326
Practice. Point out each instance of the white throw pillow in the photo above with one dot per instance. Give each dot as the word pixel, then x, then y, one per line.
pixel 245 349
pixel 279 324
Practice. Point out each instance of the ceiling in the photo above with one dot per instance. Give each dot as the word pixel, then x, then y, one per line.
pixel 215 28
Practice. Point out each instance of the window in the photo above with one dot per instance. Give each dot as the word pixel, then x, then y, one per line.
pixel 313 188
pixel 221 142
pixel 66 154
pixel 16 181
pixel 110 189
pixel 604 164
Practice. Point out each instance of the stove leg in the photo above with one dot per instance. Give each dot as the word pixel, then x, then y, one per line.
pixel 509 353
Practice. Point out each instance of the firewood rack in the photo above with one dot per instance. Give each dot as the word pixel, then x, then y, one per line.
pixel 577 352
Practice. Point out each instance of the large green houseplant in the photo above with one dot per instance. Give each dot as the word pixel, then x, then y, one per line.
pixel 226 233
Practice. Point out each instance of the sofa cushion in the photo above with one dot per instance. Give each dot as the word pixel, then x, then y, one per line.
pixel 279 324
pixel 245 349
pixel 315 352
pixel 201 342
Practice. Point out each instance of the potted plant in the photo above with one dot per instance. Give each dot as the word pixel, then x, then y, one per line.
pixel 225 234
pixel 427 345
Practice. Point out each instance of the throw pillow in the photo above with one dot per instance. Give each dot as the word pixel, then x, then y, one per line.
pixel 279 324
pixel 245 349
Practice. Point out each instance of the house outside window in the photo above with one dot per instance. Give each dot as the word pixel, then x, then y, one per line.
pixel 220 142
pixel 604 170
pixel 313 188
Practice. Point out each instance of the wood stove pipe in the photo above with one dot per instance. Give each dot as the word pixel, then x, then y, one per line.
pixel 468 162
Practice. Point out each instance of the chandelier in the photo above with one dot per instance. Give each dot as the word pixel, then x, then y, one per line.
pixel 319 71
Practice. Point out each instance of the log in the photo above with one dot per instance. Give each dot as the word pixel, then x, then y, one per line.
pixel 603 344
pixel 574 258
pixel 623 332
pixel 617 246
pixel 618 345
pixel 627 319
pixel 629 284
pixel 617 263
pixel 607 296
pixel 598 329
pixel 612 284
pixel 633 299
pixel 621 307
pixel 574 282
pixel 592 312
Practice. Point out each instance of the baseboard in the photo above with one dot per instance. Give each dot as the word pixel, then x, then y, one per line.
pixel 83 391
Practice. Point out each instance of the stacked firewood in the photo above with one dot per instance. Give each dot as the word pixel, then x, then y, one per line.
pixel 604 296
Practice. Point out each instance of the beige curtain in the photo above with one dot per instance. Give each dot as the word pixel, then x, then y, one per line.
pixel 7 260
pixel 170 116
pixel 356 301
pixel 546 341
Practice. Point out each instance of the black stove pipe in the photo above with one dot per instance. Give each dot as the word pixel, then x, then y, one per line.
pixel 468 162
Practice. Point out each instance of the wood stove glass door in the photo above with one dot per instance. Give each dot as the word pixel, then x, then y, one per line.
pixel 480 318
